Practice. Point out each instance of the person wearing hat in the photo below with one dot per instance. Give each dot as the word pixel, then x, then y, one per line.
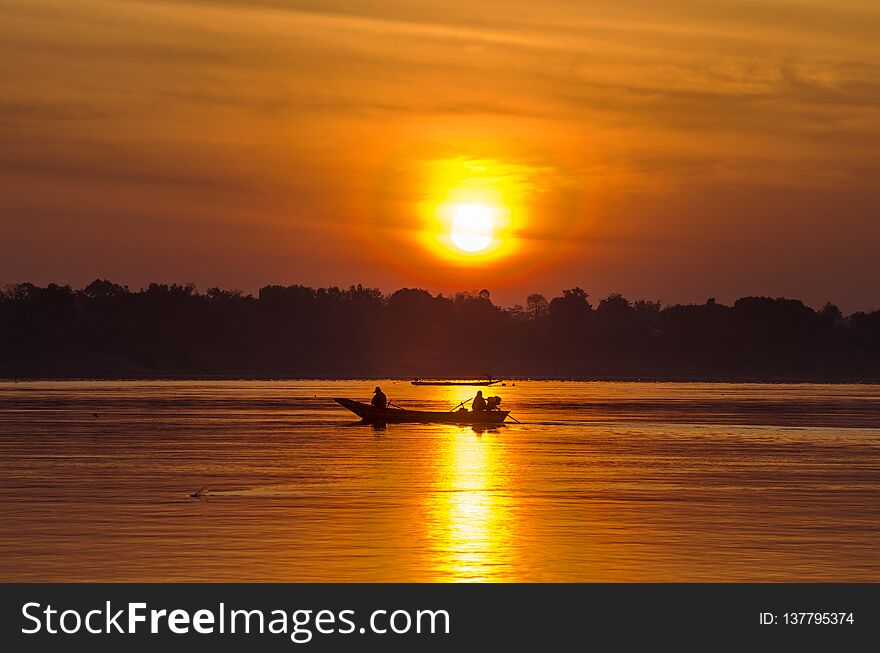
pixel 379 398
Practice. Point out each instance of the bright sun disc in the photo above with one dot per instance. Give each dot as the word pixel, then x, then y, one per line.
pixel 472 226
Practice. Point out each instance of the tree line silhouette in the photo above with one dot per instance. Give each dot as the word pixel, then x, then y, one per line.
pixel 105 329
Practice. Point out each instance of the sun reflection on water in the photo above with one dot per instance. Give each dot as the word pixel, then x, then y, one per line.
pixel 470 511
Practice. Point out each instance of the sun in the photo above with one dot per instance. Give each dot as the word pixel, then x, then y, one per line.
pixel 472 226
pixel 472 210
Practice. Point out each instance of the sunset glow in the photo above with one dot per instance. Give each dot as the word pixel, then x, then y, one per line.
pixel 235 144
pixel 473 210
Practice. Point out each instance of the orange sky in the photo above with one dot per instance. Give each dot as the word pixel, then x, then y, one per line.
pixel 672 150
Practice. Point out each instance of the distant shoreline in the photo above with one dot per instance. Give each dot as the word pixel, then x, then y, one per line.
pixel 106 331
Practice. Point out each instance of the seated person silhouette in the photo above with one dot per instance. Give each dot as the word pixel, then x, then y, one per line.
pixel 379 399
pixel 479 404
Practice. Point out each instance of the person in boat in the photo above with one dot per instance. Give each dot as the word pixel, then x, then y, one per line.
pixel 379 399
pixel 478 404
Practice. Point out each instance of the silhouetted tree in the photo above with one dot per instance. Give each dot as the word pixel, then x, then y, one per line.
pixel 107 329
pixel 572 308
pixel 537 306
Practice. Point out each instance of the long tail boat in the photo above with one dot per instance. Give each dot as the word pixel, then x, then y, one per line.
pixel 483 383
pixel 393 415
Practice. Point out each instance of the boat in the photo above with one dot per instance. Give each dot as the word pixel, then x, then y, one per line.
pixel 483 383
pixel 395 415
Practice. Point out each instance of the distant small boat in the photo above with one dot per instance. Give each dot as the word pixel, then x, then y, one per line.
pixel 488 382
pixel 399 415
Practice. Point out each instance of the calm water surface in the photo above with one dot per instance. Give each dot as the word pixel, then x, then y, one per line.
pixel 601 482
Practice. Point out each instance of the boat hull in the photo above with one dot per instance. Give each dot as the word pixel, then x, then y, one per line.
pixel 398 416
